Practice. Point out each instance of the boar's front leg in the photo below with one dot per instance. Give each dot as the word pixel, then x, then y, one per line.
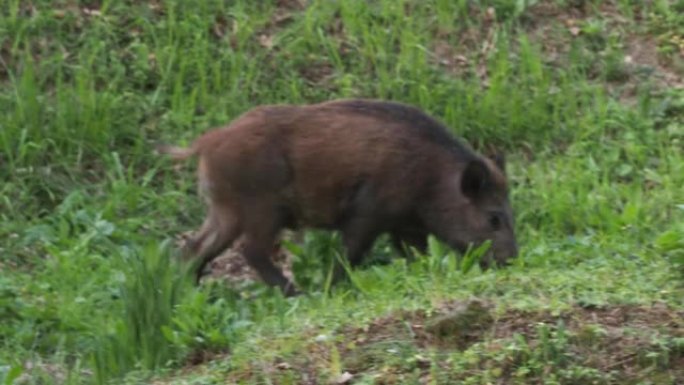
pixel 402 239
pixel 358 236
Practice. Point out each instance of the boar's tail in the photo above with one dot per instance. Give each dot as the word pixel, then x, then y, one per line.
pixel 176 153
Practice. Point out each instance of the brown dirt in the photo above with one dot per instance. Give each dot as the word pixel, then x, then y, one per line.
pixel 627 332
pixel 232 267
pixel 613 339
pixel 553 28
pixel 642 51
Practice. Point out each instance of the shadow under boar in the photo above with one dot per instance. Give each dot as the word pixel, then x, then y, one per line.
pixel 363 167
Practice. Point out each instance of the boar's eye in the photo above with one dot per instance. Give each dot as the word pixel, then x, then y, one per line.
pixel 496 221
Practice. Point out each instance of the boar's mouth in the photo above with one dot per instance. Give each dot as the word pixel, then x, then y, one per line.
pixel 488 261
pixel 485 261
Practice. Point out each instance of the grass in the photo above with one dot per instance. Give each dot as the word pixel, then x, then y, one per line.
pixel 590 118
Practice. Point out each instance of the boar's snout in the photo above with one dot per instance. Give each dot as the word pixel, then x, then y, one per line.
pixel 488 214
pixel 500 254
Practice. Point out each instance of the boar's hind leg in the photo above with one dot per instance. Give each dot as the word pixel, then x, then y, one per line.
pixel 260 236
pixel 218 232
pixel 258 256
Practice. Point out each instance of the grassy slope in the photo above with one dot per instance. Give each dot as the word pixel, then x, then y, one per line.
pixel 585 97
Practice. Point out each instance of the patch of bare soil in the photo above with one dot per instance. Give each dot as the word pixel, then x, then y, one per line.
pixel 614 338
pixel 642 54
pixel 316 69
pixel 554 28
pixel 232 267
pixel 617 340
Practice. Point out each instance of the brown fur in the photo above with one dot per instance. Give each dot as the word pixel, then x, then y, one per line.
pixel 362 167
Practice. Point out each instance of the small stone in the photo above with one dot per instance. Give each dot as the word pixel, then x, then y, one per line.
pixel 460 323
pixel 343 378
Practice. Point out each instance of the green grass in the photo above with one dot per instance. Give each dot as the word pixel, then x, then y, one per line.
pixel 593 132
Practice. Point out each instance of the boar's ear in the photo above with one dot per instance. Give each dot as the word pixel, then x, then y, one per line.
pixel 500 160
pixel 497 156
pixel 475 179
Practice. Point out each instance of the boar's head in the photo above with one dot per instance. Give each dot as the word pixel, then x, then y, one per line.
pixel 470 206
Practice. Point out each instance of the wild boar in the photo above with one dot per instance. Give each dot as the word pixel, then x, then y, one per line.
pixel 362 167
